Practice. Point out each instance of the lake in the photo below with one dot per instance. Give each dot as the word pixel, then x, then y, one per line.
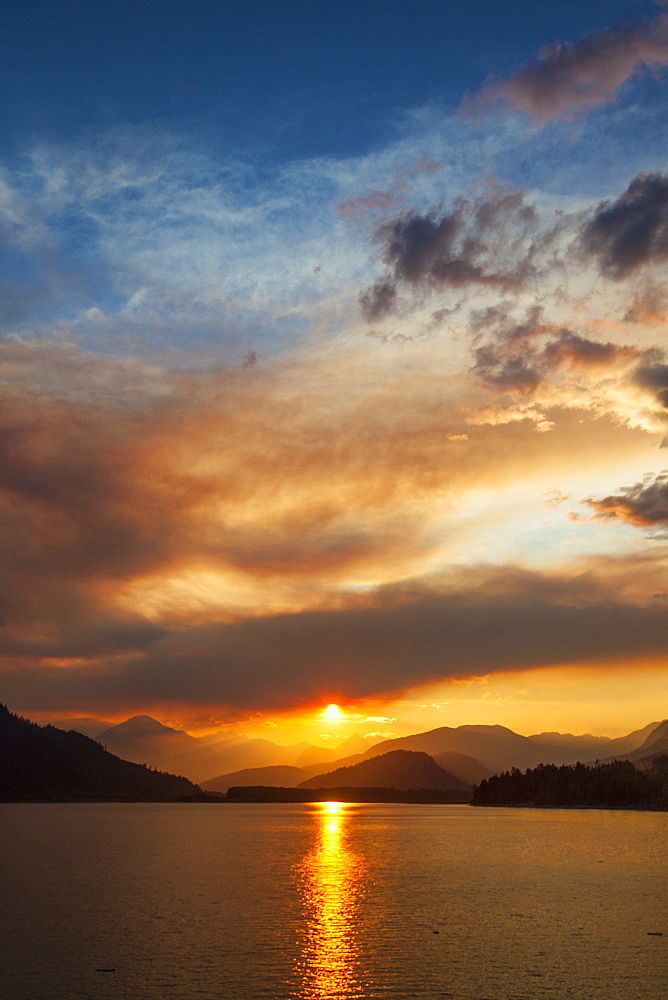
pixel 115 901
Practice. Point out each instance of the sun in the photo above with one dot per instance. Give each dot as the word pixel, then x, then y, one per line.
pixel 332 712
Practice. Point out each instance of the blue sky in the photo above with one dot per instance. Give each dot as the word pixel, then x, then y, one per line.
pixel 319 316
pixel 278 79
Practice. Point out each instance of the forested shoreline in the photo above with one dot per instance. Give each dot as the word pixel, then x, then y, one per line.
pixel 618 785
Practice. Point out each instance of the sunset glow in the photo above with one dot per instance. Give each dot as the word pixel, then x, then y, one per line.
pixel 314 390
pixel 331 882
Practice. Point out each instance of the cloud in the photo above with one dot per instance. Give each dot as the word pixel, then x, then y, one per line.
pixel 146 509
pixel 382 200
pixel 644 504
pixel 519 356
pixel 218 484
pixel 633 230
pixel 479 242
pixel 534 366
pixel 655 378
pixel 567 78
pixel 503 620
pixel 648 305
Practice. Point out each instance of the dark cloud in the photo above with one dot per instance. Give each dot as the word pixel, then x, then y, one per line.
pixel 573 77
pixel 479 242
pixel 655 378
pixel 506 372
pixel 644 504
pixel 632 231
pixel 379 300
pixel 519 357
pixel 511 620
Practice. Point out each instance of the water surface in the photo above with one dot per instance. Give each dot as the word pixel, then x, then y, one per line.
pixel 331 901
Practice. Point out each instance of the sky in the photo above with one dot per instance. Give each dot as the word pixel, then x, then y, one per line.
pixel 334 366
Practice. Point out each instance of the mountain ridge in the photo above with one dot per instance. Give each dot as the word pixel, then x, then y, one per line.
pixel 401 769
pixel 493 749
pixel 43 763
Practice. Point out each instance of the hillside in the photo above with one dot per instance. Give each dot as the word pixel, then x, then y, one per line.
pixel 655 745
pixel 402 769
pixel 611 786
pixel 462 766
pixel 276 776
pixel 48 764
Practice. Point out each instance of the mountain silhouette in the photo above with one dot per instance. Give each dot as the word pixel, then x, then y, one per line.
pixel 498 748
pixel 462 766
pixel 476 750
pixel 402 769
pixel 143 739
pixel 42 763
pixel 276 776
pixel 643 756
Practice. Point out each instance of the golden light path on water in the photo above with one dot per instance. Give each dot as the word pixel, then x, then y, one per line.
pixel 331 880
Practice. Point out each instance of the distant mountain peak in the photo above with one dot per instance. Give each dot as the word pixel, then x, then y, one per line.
pixel 143 725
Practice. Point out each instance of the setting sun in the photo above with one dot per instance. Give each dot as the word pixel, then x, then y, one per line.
pixel 332 712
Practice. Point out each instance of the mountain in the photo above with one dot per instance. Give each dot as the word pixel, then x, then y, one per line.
pixel 584 746
pixel 500 749
pixel 462 766
pixel 206 759
pixel 643 755
pixel 87 726
pixel 495 747
pixel 627 744
pixel 42 763
pixel 252 752
pixel 355 745
pixel 277 776
pixel 146 741
pixel 403 769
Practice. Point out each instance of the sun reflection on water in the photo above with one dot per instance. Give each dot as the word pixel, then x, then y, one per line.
pixel 331 880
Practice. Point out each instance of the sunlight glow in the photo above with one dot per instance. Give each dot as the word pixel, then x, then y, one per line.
pixel 332 712
pixel 330 877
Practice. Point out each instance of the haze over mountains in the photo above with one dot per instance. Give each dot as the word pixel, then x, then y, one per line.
pixel 42 763
pixel 643 755
pixel 469 753
pixel 146 741
pixel 47 763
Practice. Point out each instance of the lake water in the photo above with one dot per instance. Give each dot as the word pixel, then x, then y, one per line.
pixel 331 901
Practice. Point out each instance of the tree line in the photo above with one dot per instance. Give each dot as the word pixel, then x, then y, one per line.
pixel 618 785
